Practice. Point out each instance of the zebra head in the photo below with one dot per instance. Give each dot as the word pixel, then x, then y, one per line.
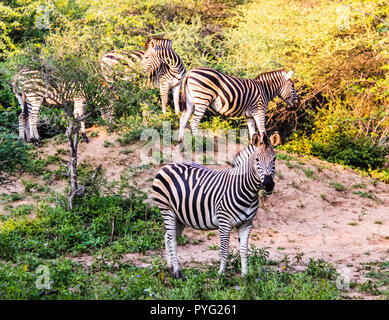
pixel 265 159
pixel 151 60
pixel 287 91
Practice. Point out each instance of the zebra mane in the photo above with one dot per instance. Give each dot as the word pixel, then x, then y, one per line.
pixel 274 72
pixel 161 42
pixel 196 165
pixel 242 156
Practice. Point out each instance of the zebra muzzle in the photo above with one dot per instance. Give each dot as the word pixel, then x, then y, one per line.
pixel 268 184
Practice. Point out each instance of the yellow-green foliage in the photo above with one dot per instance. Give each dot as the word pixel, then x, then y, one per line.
pixel 338 50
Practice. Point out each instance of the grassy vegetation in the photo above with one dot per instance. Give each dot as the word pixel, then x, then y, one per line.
pixel 110 278
pixel 377 282
pixel 50 231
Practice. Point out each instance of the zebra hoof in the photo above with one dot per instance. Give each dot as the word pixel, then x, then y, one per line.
pixel 37 142
pixel 178 275
pixel 85 137
pixel 170 270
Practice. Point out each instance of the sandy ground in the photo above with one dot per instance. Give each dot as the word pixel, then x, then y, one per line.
pixel 303 215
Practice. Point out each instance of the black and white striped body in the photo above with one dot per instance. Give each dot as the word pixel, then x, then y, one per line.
pixel 190 195
pixel 118 65
pixel 126 60
pixel 161 59
pixel 204 88
pixel 32 92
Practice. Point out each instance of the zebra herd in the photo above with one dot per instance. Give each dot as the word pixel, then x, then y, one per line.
pixel 189 194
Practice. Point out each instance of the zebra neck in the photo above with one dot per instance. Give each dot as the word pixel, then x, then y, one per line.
pixel 173 61
pixel 246 176
pixel 271 83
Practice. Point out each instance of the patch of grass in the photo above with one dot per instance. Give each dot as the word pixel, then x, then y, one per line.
pixel 289 164
pixel 124 221
pixel 378 284
pixel 283 156
pixel 364 194
pixel 359 186
pixel 323 196
pixel 107 144
pixel 309 173
pixel 279 175
pixel 61 151
pixel 353 223
pixel 94 134
pixel 338 186
pixel 109 278
pixel 31 186
pixel 11 197
pixel 321 269
pixel 126 151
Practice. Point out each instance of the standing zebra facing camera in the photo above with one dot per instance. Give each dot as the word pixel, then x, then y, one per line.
pixel 191 195
pixel 204 88
pixel 160 59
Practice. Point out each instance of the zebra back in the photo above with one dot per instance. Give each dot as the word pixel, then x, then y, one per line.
pixel 113 58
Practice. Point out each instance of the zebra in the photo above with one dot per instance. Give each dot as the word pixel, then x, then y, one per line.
pixel 160 58
pixel 108 62
pixel 127 60
pixel 191 195
pixel 31 92
pixel 231 96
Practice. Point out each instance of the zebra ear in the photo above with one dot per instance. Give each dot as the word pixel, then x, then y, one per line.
pixel 289 75
pixel 275 139
pixel 256 139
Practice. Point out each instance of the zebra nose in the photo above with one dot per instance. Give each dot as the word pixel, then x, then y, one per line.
pixel 268 184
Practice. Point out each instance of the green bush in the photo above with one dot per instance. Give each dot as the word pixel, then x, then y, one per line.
pixel 14 156
pixel 335 138
pixel 96 221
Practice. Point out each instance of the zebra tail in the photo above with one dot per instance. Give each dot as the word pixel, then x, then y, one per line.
pixel 183 93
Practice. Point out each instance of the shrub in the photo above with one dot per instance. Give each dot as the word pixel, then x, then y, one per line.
pixel 13 156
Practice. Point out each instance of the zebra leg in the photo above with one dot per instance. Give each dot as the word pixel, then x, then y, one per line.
pixel 35 102
pixel 79 112
pixel 172 229
pixel 22 126
pixel 251 126
pixel 260 122
pixel 176 98
pixel 198 113
pixel 179 228
pixel 244 233
pixel 164 91
pixel 224 235
pixel 185 117
pixel 169 264
pixel 22 118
